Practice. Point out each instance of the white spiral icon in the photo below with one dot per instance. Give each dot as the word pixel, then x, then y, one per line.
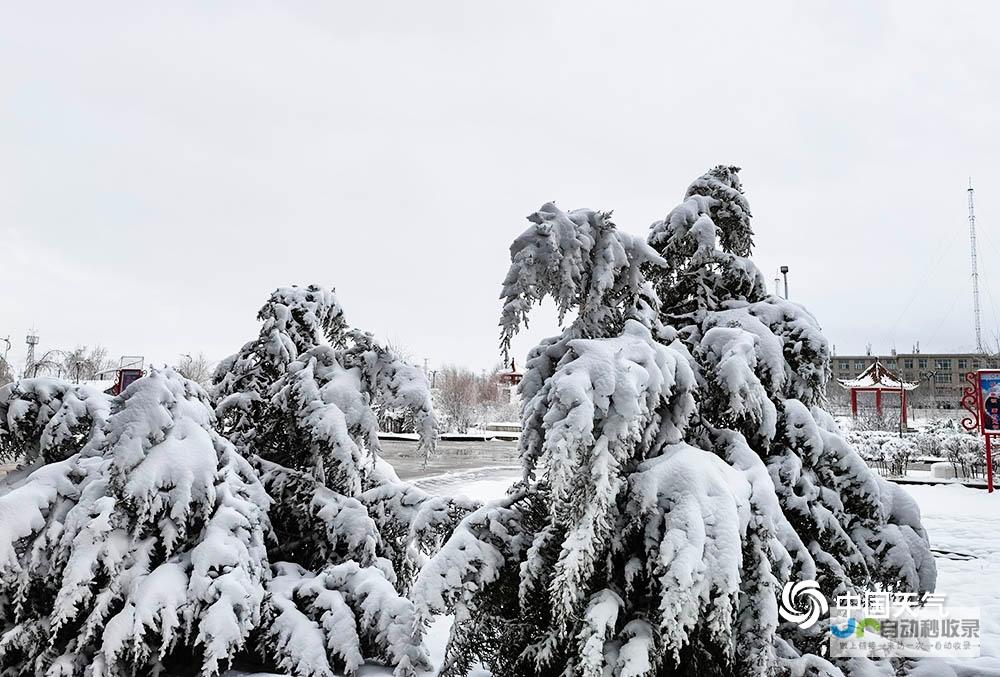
pixel 792 593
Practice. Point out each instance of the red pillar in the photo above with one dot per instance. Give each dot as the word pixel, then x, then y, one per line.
pixel 902 397
pixel 854 402
pixel 878 402
pixel 989 463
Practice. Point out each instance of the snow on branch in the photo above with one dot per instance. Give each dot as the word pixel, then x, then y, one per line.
pixel 728 207
pixel 329 620
pixel 705 242
pixel 394 385
pixel 693 510
pixel 392 520
pixel 294 319
pixel 144 550
pixel 318 414
pixel 412 524
pixel 306 357
pixel 585 264
pixel 48 419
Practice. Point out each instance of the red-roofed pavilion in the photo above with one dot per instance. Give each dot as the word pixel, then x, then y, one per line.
pixel 877 379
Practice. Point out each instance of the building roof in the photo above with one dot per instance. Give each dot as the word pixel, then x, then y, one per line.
pixel 890 357
pixel 877 377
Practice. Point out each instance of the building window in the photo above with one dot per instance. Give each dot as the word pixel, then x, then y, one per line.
pixel 859 365
pixel 942 378
pixel 963 364
pixel 942 364
pixel 922 363
pixel 908 363
pixel 975 364
pixel 844 365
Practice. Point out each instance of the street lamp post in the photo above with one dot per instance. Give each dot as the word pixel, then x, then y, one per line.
pixel 784 272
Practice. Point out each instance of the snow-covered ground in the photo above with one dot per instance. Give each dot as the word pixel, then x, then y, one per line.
pixel 483 484
pixel 964 528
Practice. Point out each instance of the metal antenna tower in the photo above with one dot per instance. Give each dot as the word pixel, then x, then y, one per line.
pixel 32 341
pixel 975 266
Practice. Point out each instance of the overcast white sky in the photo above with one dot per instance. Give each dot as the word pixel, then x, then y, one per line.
pixel 163 169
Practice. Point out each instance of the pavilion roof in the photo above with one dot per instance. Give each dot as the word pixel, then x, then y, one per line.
pixel 877 377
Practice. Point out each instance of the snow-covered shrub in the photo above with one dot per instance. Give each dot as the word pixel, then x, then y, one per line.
pixel 46 419
pixel 929 443
pixel 942 426
pixel 678 468
pixel 963 452
pixel 142 554
pixel 898 452
pixel 869 446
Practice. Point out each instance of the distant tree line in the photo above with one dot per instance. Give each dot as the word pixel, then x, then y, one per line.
pixel 92 363
pixel 466 399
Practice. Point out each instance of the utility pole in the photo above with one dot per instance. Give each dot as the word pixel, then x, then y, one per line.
pixel 784 271
pixel 975 266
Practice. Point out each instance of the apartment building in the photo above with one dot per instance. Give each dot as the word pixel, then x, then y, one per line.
pixel 941 376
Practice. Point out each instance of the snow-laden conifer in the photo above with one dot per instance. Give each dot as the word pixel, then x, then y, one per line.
pixel 348 536
pixel 143 553
pixel 45 419
pixel 585 264
pixel 293 320
pixel 137 539
pixel 678 467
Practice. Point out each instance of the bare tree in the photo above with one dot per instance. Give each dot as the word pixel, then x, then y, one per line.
pixel 84 363
pixel 457 396
pixel 49 364
pixel 197 368
pixel 465 398
pixel 400 350
pixel 490 393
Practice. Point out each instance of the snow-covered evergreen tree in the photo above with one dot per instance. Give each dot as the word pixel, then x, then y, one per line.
pixel 137 539
pixel 294 319
pixel 348 535
pixel 45 419
pixel 678 466
pixel 141 553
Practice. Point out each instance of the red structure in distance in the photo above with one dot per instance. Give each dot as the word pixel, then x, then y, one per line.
pixel 878 379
